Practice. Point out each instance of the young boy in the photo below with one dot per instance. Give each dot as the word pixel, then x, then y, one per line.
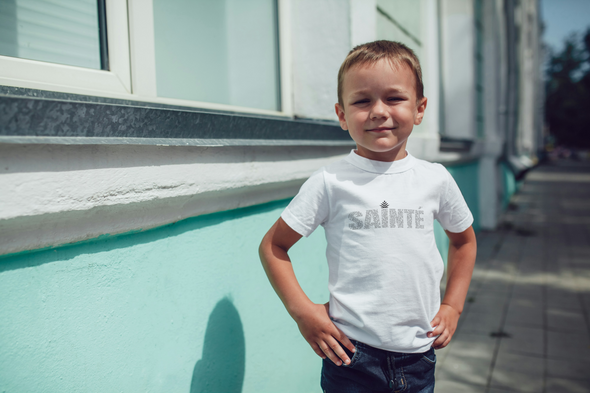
pixel 384 319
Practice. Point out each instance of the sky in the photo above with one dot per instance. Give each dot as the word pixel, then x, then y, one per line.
pixel 563 17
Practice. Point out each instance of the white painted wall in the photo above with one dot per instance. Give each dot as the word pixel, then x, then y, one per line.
pixel 490 188
pixel 363 21
pixel 530 63
pixel 54 194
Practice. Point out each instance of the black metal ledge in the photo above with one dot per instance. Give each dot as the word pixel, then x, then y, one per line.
pixel 36 116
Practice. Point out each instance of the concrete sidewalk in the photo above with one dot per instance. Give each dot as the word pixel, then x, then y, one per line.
pixel 526 325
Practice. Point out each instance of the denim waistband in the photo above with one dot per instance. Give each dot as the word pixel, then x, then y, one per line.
pixel 400 357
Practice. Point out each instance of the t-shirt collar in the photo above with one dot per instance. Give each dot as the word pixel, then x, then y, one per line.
pixel 380 166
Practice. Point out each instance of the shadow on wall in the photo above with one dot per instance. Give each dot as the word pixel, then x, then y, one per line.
pixel 221 367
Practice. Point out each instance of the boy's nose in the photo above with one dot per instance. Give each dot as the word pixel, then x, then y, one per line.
pixel 378 110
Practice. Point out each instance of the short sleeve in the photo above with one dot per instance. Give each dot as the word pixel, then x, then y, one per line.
pixel 453 213
pixel 310 207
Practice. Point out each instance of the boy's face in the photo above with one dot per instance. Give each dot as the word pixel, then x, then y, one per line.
pixel 380 109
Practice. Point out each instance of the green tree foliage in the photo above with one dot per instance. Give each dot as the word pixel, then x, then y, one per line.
pixel 567 104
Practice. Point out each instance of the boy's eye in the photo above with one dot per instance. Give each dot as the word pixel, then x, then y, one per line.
pixel 363 101
pixel 395 99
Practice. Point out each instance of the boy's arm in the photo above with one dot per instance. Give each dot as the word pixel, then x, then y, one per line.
pixel 462 251
pixel 312 319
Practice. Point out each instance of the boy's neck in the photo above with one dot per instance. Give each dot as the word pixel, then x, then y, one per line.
pixel 388 156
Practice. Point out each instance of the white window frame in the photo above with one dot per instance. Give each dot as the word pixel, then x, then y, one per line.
pixel 132 74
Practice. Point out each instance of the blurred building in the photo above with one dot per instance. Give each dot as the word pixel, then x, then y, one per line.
pixel 147 146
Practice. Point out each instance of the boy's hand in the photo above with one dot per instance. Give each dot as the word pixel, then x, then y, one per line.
pixel 324 337
pixel 445 324
pixel 312 319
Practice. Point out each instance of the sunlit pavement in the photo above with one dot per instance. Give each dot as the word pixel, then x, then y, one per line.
pixel 526 326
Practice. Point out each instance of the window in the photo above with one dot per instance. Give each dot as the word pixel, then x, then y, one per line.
pixel 400 21
pixel 221 54
pixel 60 45
pixel 222 51
pixel 64 32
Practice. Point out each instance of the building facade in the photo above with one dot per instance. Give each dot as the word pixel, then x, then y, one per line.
pixel 146 146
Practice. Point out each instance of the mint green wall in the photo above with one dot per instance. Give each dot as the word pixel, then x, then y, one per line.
pixel 182 308
pixel 442 241
pixel 509 183
pixel 467 178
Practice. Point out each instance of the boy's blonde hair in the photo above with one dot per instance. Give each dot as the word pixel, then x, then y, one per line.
pixel 369 53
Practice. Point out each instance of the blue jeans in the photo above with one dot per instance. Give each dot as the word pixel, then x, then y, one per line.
pixel 377 370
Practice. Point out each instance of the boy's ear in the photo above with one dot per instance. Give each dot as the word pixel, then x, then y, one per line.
pixel 341 117
pixel 420 110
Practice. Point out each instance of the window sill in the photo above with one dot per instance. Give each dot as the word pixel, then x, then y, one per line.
pixel 38 117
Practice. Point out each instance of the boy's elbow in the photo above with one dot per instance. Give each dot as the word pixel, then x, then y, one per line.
pixel 265 249
pixel 261 249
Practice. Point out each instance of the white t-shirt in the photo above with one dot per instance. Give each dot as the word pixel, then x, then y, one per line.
pixel 384 267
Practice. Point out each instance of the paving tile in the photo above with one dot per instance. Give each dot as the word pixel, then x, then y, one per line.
pixel 564 282
pixel 533 365
pixel 517 382
pixel 533 302
pixel 518 373
pixel 465 370
pixel 566 385
pixel 496 285
pixel 533 253
pixel 523 341
pixel 490 303
pixel 580 251
pixel 468 360
pixel 553 290
pixel 582 281
pixel 564 302
pixel 456 387
pixel 485 254
pixel 531 274
pixel 473 289
pixel 573 346
pixel 525 312
pixel 574 369
pixel 480 322
pixel 580 261
pixel 480 346
pixel 528 291
pixel 565 320
pixel 509 246
pixel 441 354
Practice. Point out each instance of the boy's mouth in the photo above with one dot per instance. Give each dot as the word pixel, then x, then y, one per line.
pixel 381 129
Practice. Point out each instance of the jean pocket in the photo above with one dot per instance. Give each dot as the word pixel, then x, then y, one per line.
pixel 352 356
pixel 429 357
